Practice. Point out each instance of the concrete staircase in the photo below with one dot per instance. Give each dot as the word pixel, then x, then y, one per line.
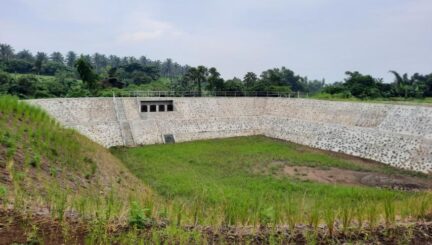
pixel 125 128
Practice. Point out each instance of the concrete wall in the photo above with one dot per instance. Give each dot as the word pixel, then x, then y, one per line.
pixel 397 135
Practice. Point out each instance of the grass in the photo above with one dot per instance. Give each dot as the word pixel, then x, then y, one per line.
pixel 217 181
pixel 46 165
pixel 205 183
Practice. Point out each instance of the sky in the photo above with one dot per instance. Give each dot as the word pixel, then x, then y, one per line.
pixel 314 38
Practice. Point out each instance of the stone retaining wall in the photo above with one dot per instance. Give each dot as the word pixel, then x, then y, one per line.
pixel 393 134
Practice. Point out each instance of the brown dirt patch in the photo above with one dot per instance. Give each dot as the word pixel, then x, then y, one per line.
pixel 351 177
pixel 16 228
pixel 358 161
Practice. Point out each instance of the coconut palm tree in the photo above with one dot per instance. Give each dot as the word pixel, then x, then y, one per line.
pixel 402 83
pixel 198 76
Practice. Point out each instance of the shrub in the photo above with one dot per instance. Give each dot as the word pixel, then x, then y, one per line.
pixel 138 216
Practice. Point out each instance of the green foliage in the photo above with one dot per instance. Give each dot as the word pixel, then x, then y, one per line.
pixel 250 79
pixel 389 211
pixel 3 193
pixel 86 73
pixel 357 85
pixel 283 77
pixel 215 82
pixel 18 66
pixel 36 161
pixel 239 187
pixel 233 85
pixel 267 215
pixel 366 87
pixel 5 80
pixel 41 139
pixel 138 216
pixel 128 73
pixel 24 86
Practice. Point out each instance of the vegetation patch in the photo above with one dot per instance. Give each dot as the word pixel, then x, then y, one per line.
pixel 238 181
pixel 57 186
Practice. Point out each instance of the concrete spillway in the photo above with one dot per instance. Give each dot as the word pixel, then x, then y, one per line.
pixel 398 135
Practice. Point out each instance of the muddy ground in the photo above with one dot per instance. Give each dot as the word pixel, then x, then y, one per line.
pixel 351 177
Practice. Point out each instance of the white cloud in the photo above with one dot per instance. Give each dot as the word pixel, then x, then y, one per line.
pixel 137 27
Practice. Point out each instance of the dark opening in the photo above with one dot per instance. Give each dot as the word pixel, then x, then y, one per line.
pixel 157 105
pixel 169 139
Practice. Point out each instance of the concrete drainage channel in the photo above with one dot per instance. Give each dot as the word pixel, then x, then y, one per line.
pixel 398 135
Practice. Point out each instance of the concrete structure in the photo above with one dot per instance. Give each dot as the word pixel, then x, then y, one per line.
pixel 398 135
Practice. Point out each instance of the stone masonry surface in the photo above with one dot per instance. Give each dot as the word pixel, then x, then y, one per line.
pixel 397 135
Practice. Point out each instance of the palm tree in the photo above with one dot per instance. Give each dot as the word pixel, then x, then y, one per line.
pixel 402 83
pixel 57 57
pixel 198 76
pixel 71 57
pixel 41 58
pixel 6 51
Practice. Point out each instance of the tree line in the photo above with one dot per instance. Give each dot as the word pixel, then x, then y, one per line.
pixel 72 75
pixel 367 87
pixel 49 64
pixel 281 79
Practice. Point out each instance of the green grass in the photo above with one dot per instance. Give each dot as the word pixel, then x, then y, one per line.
pixel 216 181
pixel 49 165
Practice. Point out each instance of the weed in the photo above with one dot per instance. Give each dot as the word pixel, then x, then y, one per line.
pixel 330 218
pixel 35 162
pixel 372 216
pixel 267 215
pixel 53 171
pixel 389 211
pixel 138 217
pixel 3 193
pixel 346 217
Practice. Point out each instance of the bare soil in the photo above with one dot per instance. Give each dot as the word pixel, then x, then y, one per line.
pixel 17 228
pixel 351 177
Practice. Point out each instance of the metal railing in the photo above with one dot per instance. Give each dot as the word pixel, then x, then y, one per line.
pixel 210 94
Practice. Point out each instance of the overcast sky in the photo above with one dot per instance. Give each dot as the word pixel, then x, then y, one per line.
pixel 315 38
